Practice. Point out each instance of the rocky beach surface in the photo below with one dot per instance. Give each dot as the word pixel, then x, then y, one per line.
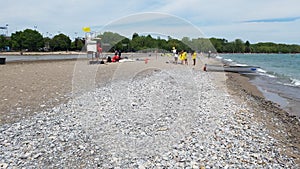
pixel 154 115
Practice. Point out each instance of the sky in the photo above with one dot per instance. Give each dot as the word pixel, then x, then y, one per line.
pixel 256 20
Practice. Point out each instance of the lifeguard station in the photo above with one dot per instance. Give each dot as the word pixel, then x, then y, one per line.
pixel 93 46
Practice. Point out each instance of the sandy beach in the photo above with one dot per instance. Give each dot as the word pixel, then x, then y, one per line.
pixel 135 115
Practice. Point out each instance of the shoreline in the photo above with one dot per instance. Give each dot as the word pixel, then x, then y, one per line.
pixel 269 113
pixel 245 84
pixel 274 117
pixel 278 84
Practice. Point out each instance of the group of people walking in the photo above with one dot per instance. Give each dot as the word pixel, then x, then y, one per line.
pixel 183 56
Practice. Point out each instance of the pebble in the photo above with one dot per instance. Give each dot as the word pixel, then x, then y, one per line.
pixel 149 122
pixel 3 165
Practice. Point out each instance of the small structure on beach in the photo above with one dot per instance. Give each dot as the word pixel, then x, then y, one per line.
pixel 93 45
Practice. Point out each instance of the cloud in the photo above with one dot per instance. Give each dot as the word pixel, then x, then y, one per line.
pixel 213 17
pixel 279 32
pixel 152 23
pixel 287 19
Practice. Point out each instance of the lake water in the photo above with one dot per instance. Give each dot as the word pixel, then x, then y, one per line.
pixel 278 76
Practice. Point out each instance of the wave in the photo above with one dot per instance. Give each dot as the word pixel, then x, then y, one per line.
pixel 265 73
pixel 260 70
pixel 240 64
pixel 283 79
pixel 296 82
pixel 231 62
pixel 219 57
pixel 228 60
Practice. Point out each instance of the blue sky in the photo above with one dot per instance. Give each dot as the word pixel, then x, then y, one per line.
pixel 256 20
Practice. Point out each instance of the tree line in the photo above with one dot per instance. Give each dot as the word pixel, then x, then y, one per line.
pixel 140 43
pixel 238 46
pixel 113 41
pixel 32 40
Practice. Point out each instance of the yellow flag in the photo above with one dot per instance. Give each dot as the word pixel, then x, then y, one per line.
pixel 86 29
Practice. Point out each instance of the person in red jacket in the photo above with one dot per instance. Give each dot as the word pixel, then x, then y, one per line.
pixel 115 58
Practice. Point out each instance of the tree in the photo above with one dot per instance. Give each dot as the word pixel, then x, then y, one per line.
pixel 16 40
pixel 47 41
pixel 247 47
pixel 135 35
pixel 180 45
pixel 28 39
pixel 186 40
pixel 77 44
pixel 150 42
pixel 266 47
pixel 230 47
pixel 218 44
pixel 163 44
pixel 4 42
pixel 239 46
pixel 111 40
pixel 137 42
pixel 60 42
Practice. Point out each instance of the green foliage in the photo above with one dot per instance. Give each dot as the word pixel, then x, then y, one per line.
pixel 60 42
pixel 219 44
pixel 46 47
pixel 247 47
pixel 135 35
pixel 238 46
pixel 179 45
pixel 32 40
pixel 141 43
pixel 4 42
pixel 77 44
pixel 28 39
pixel 111 39
pixel 199 44
pixel 267 47
pixel 16 40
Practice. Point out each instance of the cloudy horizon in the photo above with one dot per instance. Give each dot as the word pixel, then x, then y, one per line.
pixel 256 21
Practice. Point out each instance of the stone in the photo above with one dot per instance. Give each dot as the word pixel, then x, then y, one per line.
pixel 3 165
pixel 37 155
pixel 25 156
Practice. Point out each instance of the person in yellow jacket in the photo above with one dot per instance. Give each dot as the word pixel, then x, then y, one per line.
pixel 184 57
pixel 194 56
pixel 181 57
